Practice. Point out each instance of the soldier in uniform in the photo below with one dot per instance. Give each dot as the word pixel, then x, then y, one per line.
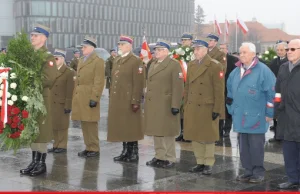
pixel 203 101
pixel 162 104
pixel 215 53
pixel 186 41
pixel 124 113
pixel 75 60
pixel 108 67
pixel 49 72
pixel 62 93
pixel 89 85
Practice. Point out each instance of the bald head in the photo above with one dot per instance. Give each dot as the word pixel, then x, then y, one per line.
pixel 293 52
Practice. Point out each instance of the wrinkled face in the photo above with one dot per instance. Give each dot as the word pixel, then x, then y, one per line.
pixel 124 48
pixel 223 47
pixel 212 43
pixel 38 40
pixel 77 55
pixel 161 53
pixel 293 52
pixel 280 50
pixel 186 42
pixel 59 61
pixel 200 52
pixel 87 49
pixel 246 56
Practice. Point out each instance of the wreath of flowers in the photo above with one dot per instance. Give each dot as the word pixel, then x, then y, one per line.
pixel 184 53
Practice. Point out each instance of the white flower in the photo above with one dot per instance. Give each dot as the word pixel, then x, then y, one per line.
pixel 13 85
pixel 2 86
pixel 1 93
pixel 8 95
pixel 10 102
pixel 260 56
pixel 25 98
pixel 275 57
pixel 188 58
pixel 13 76
pixel 266 58
pixel 14 98
pixel 187 49
pixel 192 57
pixel 267 52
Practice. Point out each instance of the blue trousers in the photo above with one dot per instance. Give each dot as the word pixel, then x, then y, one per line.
pixel 291 154
pixel 252 153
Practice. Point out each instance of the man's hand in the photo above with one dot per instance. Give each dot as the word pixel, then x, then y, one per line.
pixel 174 111
pixel 215 116
pixel 135 108
pixel 67 111
pixel 93 103
pixel 268 119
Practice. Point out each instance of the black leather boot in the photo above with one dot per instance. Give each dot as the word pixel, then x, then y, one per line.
pixel 180 137
pixel 123 154
pixel 133 152
pixel 40 168
pixel 31 165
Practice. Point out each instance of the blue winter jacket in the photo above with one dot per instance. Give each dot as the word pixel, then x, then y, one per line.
pixel 252 95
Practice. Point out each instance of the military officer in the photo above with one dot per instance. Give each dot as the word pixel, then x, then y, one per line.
pixel 49 72
pixel 215 53
pixel 75 60
pixel 186 41
pixel 108 67
pixel 124 113
pixel 162 104
pixel 61 104
pixel 203 98
pixel 89 85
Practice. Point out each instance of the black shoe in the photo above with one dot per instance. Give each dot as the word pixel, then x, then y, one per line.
pixel 168 164
pixel 122 156
pixel 273 140
pixel 51 150
pixel 243 178
pixel 83 153
pixel 155 163
pixel 40 168
pixel 133 152
pixel 179 138
pixel 288 185
pixel 92 154
pixel 31 166
pixel 256 179
pixel 226 134
pixel 60 150
pixel 207 170
pixel 197 168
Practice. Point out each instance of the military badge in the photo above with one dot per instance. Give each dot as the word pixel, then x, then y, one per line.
pixel 51 63
pixel 140 70
pixel 221 74
pixel 180 75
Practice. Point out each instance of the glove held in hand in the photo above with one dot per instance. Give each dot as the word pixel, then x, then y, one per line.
pixel 215 116
pixel 93 103
pixel 174 111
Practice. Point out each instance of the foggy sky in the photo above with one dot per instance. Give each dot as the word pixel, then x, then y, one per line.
pixel 265 11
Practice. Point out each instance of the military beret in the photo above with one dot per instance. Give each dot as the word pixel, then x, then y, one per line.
pixel 200 42
pixel 125 39
pixel 59 53
pixel 163 44
pixel 213 36
pixel 40 29
pixel 89 41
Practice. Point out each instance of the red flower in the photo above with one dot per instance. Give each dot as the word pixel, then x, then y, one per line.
pixel 16 119
pixel 9 121
pixel 175 56
pixel 21 127
pixel 15 111
pixel 1 125
pixel 14 125
pixel 25 114
pixel 9 108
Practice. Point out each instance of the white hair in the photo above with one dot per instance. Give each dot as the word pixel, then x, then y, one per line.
pixel 285 45
pixel 250 45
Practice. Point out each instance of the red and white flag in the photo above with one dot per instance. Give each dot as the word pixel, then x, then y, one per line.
pixel 218 26
pixel 145 54
pixel 226 27
pixel 242 25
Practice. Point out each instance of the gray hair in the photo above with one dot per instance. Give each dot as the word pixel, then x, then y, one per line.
pixel 250 45
pixel 285 45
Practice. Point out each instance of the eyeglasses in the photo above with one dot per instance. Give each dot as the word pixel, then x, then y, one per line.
pixel 56 59
pixel 292 49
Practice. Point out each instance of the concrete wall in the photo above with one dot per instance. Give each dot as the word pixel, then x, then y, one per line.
pixel 7 21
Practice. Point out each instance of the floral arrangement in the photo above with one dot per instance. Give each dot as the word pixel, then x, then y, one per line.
pixel 24 97
pixel 183 54
pixel 268 56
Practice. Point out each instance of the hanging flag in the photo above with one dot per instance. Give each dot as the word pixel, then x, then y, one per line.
pixel 145 54
pixel 4 76
pixel 218 26
pixel 242 25
pixel 226 27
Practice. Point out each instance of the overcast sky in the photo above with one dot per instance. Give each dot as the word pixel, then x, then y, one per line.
pixel 265 11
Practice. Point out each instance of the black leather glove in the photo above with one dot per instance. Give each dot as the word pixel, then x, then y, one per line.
pixel 67 111
pixel 229 101
pixel 215 115
pixel 93 103
pixel 174 111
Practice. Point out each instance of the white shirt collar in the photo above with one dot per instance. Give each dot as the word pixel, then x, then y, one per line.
pixel 124 55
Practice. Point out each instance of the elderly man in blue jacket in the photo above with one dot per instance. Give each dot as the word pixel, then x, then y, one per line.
pixel 250 94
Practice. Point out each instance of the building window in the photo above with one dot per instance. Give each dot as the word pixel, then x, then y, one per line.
pixel 38 8
pixel 66 9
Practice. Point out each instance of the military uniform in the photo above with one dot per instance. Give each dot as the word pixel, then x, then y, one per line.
pixel 89 85
pixel 203 97
pixel 108 69
pixel 74 63
pixel 164 92
pixel 39 146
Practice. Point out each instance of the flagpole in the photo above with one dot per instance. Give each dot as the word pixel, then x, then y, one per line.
pixel 225 24
pixel 214 23
pixel 236 31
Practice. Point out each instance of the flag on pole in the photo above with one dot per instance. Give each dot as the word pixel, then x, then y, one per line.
pixel 226 27
pixel 218 26
pixel 242 25
pixel 145 54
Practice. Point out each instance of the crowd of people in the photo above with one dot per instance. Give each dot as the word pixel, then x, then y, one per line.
pixel 219 92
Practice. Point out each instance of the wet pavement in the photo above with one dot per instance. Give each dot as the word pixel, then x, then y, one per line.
pixel 68 172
